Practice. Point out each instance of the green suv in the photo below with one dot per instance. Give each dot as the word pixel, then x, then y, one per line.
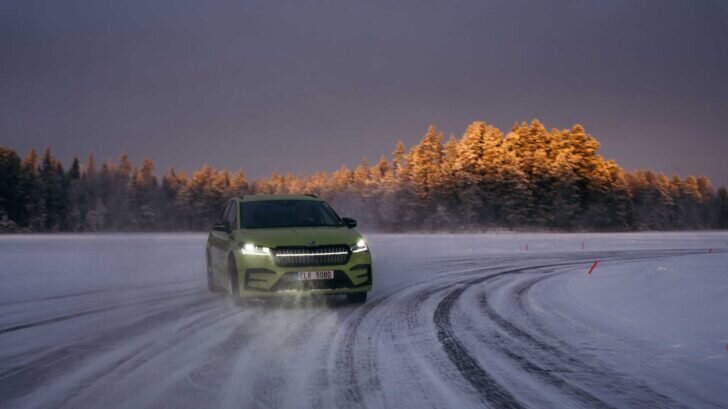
pixel 265 245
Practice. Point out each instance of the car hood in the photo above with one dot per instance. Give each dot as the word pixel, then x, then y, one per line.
pixel 299 236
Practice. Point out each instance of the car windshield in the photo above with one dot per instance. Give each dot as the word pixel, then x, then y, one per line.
pixel 287 213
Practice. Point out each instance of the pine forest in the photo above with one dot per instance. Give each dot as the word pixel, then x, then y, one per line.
pixel 528 178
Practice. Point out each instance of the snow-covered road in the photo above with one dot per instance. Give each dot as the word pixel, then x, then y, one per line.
pixel 460 321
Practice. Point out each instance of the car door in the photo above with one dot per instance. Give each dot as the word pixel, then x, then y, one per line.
pixel 218 243
pixel 226 242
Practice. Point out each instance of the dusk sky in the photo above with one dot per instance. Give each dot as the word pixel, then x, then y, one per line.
pixel 306 86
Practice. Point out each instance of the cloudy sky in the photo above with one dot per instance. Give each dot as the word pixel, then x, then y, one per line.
pixel 303 86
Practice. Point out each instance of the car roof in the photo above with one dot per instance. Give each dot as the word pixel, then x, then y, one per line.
pixel 257 198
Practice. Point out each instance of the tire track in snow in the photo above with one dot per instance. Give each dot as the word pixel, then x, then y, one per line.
pixel 486 386
pixel 545 374
pixel 25 378
pixel 352 395
pixel 411 303
pixel 374 317
pixel 54 320
pixel 488 389
pixel 641 395
pixel 204 350
pixel 497 342
pixel 269 382
pixel 154 346
pixel 116 290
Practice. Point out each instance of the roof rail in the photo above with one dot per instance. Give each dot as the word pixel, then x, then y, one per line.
pixel 311 195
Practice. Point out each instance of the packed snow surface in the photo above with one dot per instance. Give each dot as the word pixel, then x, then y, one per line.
pixel 466 321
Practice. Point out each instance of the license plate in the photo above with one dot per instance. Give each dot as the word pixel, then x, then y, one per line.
pixel 315 275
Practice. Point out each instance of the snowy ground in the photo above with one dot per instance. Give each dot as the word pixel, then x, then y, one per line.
pixel 454 321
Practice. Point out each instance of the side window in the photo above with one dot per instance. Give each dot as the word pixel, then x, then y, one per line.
pixel 232 215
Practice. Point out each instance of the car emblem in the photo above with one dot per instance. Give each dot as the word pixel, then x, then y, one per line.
pixel 312 243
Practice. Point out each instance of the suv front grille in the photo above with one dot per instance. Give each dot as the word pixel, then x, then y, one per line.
pixel 311 256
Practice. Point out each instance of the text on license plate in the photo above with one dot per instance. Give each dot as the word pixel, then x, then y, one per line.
pixel 315 275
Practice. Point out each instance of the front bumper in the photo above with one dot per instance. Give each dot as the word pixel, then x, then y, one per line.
pixel 259 276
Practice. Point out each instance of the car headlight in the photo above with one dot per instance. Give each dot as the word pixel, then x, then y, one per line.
pixel 255 250
pixel 360 246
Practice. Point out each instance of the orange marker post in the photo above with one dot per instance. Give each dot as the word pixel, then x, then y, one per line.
pixel 593 266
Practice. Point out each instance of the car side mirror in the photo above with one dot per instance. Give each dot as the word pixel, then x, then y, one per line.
pixel 349 222
pixel 222 226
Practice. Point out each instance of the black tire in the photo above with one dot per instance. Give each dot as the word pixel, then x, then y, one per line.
pixel 233 278
pixel 211 285
pixel 356 298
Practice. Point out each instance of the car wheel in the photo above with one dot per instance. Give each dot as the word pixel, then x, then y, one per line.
pixel 233 278
pixel 356 298
pixel 211 285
